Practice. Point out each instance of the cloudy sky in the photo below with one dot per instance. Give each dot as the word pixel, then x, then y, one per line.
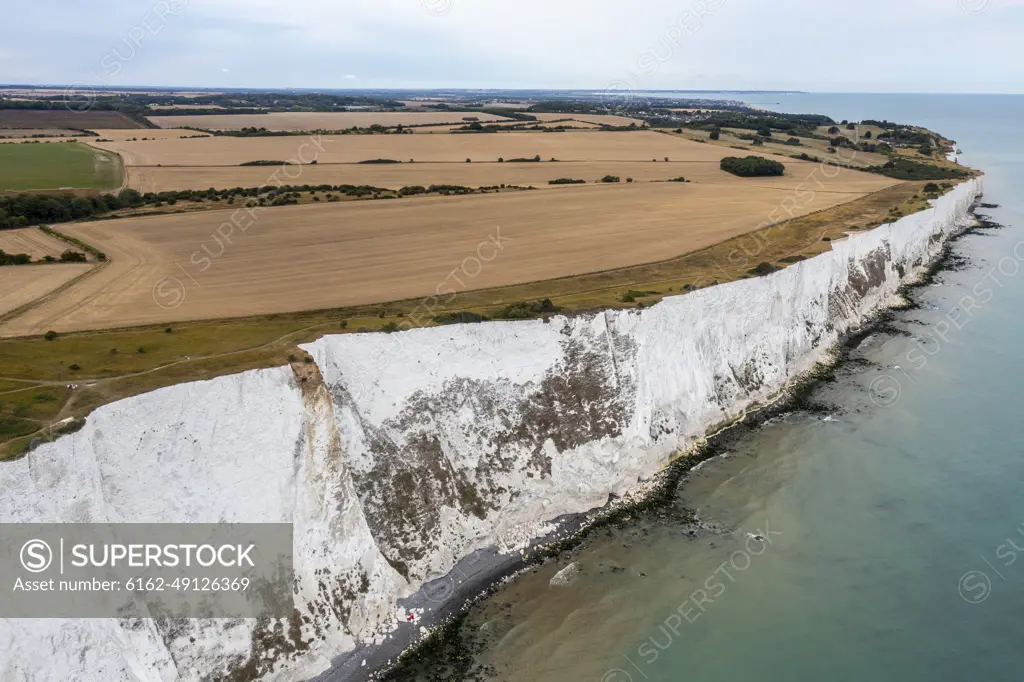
pixel 816 45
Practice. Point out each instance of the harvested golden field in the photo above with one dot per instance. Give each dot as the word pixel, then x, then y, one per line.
pixel 599 119
pixel 197 266
pixel 165 107
pixel 22 284
pixel 317 120
pixel 777 146
pixel 150 134
pixel 33 241
pixel 396 176
pixel 578 125
pixel 569 146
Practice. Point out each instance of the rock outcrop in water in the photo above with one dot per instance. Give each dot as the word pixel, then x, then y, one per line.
pixel 397 455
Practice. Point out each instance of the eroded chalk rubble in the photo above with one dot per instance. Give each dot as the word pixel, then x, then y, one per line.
pixel 395 456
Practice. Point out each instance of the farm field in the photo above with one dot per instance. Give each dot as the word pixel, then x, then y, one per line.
pixel 816 148
pixel 568 146
pixel 22 133
pixel 165 107
pixel 396 176
pixel 288 121
pixel 22 284
pixel 64 118
pixel 599 119
pixel 33 241
pixel 57 166
pixel 170 268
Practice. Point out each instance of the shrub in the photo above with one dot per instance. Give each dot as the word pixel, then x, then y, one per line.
pixel 566 181
pixel 527 309
pixel 610 178
pixel 679 179
pixel 794 141
pixel 75 367
pixel 751 166
pixel 459 318
pixel 50 335
pixel 931 188
pixel 343 324
pixel 292 358
pixel 763 268
pixel 389 328
pixel 834 130
pixel 168 330
pixel 851 126
pixel 715 135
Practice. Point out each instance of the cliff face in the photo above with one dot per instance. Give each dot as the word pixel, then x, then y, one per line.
pixel 394 456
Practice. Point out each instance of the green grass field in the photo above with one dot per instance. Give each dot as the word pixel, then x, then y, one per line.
pixel 57 165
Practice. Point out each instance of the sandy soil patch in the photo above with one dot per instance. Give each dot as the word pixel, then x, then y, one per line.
pixel 33 241
pixel 316 120
pixel 22 284
pixel 172 268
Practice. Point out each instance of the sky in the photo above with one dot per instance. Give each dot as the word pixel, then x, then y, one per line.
pixel 813 45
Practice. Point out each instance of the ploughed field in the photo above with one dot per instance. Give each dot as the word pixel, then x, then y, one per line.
pixel 65 118
pixel 202 266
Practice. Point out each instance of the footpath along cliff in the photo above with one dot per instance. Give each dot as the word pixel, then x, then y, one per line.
pixel 395 456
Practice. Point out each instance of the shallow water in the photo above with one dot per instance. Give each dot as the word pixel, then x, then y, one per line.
pixel 873 542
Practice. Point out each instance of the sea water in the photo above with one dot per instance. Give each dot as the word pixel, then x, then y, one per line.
pixel 880 537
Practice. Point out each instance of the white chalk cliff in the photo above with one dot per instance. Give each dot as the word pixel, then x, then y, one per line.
pixel 399 454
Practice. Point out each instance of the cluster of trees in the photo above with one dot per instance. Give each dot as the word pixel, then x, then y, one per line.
pixel 68 256
pixel 527 310
pixel 34 209
pixel 567 181
pixel 412 190
pixel 14 258
pixel 751 166
pixel 904 169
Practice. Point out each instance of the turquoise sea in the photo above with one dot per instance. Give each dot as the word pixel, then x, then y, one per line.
pixel 882 539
